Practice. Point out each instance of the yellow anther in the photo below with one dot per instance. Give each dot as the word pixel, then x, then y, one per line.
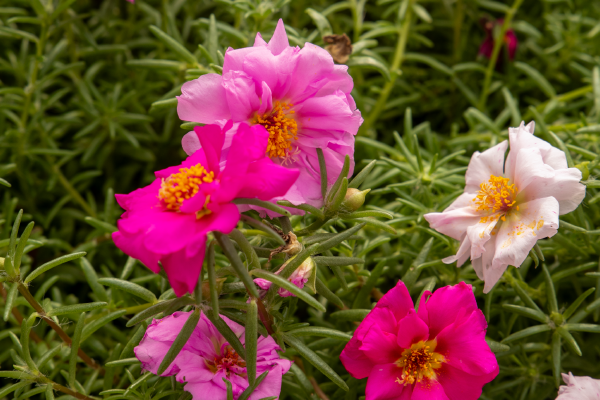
pixel 282 128
pixel 183 185
pixel 495 195
pixel 419 362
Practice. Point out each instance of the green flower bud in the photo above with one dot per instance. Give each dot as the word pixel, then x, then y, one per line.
pixel 583 167
pixel 354 199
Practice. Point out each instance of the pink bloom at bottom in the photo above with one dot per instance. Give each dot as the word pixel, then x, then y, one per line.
pixel 437 353
pixel 299 277
pixel 207 358
pixel 579 388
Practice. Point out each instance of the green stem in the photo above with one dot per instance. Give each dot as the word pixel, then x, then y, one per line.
pixel 498 42
pixel 73 192
pixel 396 63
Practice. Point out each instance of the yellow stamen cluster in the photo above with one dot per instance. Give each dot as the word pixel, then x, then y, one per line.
pixel 183 185
pixel 419 362
pixel 282 128
pixel 495 195
pixel 229 360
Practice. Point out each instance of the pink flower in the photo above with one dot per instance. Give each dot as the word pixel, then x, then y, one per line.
pixel 579 388
pixel 487 46
pixel 168 220
pixel 299 95
pixel 299 277
pixel 507 206
pixel 207 358
pixel 437 353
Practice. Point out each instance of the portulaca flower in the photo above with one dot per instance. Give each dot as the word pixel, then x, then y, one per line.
pixel 508 205
pixel 579 388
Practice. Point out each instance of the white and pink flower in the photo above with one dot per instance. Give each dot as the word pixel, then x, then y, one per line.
pixel 508 205
pixel 579 388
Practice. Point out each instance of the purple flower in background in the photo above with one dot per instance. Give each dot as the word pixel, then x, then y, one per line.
pixel 487 46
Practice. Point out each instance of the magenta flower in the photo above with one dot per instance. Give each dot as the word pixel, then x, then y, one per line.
pixel 579 388
pixel 437 353
pixel 207 358
pixel 299 95
pixel 168 220
pixel 507 206
pixel 487 46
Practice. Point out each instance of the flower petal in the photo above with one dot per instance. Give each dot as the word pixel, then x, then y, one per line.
pixel 482 165
pixel 382 384
pixel 279 40
pixel 183 267
pixel 203 100
pixel 457 218
pixel 329 112
pixel 380 346
pixel 459 385
pixel 241 95
pixel 411 329
pixel 397 300
pixel 429 389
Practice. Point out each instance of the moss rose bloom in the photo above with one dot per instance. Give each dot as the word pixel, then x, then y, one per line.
pixel 299 95
pixel 437 353
pixel 169 219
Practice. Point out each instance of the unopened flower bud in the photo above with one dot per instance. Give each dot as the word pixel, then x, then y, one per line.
pixel 585 172
pixel 354 199
pixel 206 287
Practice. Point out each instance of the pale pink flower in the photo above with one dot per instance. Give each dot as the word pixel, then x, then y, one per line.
pixel 507 206
pixel 579 388
pixel 207 358
pixel 299 277
pixel 299 95
pixel 437 353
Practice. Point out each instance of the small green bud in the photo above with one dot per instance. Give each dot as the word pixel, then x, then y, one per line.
pixel 583 167
pixel 354 199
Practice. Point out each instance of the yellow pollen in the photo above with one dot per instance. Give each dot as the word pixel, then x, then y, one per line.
pixel 419 362
pixel 282 128
pixel 184 185
pixel 495 195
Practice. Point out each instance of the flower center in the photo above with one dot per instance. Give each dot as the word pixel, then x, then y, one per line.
pixel 228 361
pixel 282 128
pixel 495 195
pixel 419 362
pixel 184 185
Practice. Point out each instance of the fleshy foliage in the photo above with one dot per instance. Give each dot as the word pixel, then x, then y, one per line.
pixel 439 352
pixel 508 205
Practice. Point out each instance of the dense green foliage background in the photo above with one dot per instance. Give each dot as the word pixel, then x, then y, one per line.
pixel 87 110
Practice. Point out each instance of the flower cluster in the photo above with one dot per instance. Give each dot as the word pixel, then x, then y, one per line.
pixel 207 358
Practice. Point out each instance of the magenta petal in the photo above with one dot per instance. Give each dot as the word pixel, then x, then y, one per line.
pixel 203 100
pixel 411 329
pixel 397 300
pixel 383 385
pixel 184 269
pixel 464 346
pixel 133 247
pixel 355 361
pixel 380 346
pixel 460 385
pixel 279 41
pixel 429 390
pixel 211 138
pixel 267 180
pixel 444 306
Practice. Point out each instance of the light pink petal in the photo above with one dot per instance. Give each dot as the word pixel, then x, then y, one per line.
pixel 380 346
pixel 483 266
pixel 234 58
pixel 313 64
pixel 206 390
pixel 579 388
pixel 203 100
pixel 411 329
pixel 151 353
pixel 523 138
pixel 429 390
pixel 455 220
pixel 462 255
pixel 464 347
pixel 259 41
pixel 483 165
pixel 279 41
pixel 266 99
pixel 459 385
pixel 329 112
pixel 190 143
pixel 445 305
pixel 241 95
pixel 274 71
pixel 537 180
pixel 270 386
pixel 382 384
pixel 535 220
pixel 192 368
pixel 479 234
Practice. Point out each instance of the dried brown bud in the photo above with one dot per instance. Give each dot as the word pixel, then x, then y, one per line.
pixel 206 287
pixel 340 47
